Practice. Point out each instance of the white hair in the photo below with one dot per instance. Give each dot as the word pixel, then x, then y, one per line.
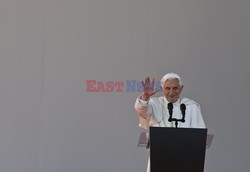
pixel 171 76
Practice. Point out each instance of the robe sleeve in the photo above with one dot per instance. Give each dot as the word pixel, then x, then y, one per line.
pixel 197 120
pixel 144 112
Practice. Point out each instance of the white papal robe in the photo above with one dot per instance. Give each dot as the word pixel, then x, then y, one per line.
pixel 155 113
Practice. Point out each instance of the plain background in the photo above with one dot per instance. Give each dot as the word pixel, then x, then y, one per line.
pixel 49 48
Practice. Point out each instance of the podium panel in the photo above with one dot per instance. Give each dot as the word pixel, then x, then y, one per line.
pixel 177 149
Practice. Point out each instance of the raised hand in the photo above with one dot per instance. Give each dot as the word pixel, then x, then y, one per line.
pixel 149 88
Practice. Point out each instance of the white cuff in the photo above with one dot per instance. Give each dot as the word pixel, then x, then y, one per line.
pixel 142 102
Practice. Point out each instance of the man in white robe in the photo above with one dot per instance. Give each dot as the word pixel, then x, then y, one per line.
pixel 153 111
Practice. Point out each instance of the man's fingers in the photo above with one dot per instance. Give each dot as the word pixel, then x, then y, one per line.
pixel 153 80
pixel 144 84
pixel 153 83
pixel 149 85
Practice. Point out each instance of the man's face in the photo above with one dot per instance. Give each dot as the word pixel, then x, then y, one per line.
pixel 172 90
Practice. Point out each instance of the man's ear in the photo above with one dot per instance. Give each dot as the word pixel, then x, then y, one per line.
pixel 161 88
pixel 182 87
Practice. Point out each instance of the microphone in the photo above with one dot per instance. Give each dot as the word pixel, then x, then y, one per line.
pixel 170 110
pixel 183 111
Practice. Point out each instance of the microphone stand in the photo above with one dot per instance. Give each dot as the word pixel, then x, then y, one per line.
pixel 183 112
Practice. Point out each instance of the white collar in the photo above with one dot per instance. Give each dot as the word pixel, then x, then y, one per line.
pixel 175 103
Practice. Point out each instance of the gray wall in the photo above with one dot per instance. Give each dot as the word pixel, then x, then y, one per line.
pixel 49 48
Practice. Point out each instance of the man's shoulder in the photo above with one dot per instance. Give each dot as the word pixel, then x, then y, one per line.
pixel 188 101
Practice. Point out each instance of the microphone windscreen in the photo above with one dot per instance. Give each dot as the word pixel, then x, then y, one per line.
pixel 170 106
pixel 183 107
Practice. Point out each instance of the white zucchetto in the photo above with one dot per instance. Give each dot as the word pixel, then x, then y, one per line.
pixel 171 76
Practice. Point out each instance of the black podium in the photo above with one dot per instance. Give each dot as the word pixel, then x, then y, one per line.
pixel 177 149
